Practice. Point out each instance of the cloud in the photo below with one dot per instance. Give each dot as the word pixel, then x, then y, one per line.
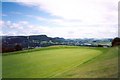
pixel 89 11
pixel 75 18
pixel 25 28
pixel 21 28
pixel 1 23
pixel 37 17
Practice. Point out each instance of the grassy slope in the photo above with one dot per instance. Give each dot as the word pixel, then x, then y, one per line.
pixel 61 62
pixel 102 66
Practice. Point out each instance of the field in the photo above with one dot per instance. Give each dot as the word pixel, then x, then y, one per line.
pixel 61 62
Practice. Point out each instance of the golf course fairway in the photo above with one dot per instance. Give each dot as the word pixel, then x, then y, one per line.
pixel 61 62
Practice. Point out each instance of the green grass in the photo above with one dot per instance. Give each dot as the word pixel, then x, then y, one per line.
pixel 61 62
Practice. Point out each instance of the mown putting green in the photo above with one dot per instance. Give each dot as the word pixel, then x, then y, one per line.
pixel 61 62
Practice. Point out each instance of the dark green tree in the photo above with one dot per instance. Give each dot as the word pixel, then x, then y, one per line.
pixel 18 47
pixel 116 42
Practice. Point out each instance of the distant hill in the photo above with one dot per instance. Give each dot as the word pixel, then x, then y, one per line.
pixel 11 43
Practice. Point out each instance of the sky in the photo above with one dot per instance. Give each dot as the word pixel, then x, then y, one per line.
pixel 60 18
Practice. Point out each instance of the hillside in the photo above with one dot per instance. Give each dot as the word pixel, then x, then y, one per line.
pixel 9 43
pixel 104 65
pixel 62 62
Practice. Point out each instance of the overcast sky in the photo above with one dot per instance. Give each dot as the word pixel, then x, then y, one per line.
pixel 60 18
